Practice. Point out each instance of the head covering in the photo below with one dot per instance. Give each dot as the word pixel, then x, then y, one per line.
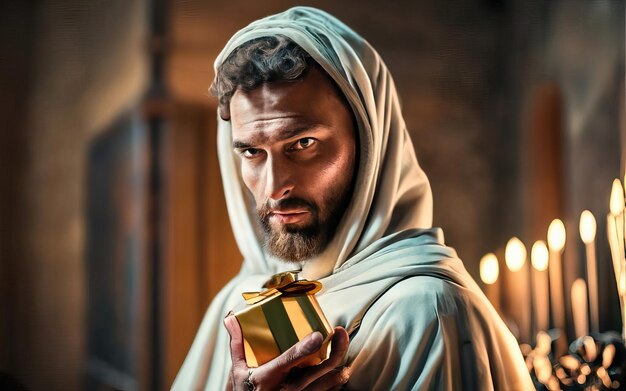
pixel 391 192
pixel 384 255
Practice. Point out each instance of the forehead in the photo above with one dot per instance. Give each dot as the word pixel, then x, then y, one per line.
pixel 312 100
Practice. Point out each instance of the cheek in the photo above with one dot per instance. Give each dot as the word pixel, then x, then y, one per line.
pixel 338 172
pixel 346 170
pixel 250 178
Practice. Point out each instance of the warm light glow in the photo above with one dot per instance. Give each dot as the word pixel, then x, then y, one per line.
pixel 543 368
pixel 539 256
pixel 591 350
pixel 543 343
pixel 616 202
pixel 585 369
pixel 579 307
pixel 608 354
pixel 556 235
pixel 515 254
pixel 489 268
pixel 587 227
pixel 570 362
pixel 553 384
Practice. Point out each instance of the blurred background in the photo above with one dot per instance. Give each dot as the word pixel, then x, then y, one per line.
pixel 114 235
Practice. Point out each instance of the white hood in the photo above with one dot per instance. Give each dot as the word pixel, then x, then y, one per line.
pixel 387 276
pixel 392 192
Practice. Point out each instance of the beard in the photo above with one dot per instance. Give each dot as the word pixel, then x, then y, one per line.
pixel 296 242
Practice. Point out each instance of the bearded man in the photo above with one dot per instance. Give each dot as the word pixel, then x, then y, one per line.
pixel 319 171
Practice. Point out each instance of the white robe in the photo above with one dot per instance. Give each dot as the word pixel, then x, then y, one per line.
pixel 416 318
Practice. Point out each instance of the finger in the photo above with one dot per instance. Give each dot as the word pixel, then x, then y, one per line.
pixel 339 347
pixel 334 380
pixel 277 370
pixel 295 354
pixel 237 353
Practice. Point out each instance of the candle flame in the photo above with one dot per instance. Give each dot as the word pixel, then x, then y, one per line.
pixel 587 227
pixel 539 256
pixel 489 269
pixel 556 235
pixel 616 202
pixel 515 254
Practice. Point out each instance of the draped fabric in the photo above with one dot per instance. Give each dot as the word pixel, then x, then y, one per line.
pixel 416 318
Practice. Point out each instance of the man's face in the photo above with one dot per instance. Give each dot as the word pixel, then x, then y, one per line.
pixel 297 146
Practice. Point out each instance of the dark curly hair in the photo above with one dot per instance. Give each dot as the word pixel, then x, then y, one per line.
pixel 258 61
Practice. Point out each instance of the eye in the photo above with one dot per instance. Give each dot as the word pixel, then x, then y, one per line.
pixel 250 153
pixel 304 143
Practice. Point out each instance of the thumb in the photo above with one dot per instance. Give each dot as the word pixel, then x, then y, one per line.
pixel 236 341
pixel 298 352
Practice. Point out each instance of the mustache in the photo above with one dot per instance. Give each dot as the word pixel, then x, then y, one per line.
pixel 271 206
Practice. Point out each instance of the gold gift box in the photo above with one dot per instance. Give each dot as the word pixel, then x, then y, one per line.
pixel 279 317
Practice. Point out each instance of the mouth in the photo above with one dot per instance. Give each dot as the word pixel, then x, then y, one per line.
pixel 292 216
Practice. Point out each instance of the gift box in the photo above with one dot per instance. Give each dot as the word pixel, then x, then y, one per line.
pixel 277 318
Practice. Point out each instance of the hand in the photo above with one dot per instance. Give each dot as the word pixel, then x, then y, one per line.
pixel 282 373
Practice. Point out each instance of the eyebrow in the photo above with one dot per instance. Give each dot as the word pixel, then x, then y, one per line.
pixel 283 134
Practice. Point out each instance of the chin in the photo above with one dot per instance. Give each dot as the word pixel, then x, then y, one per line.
pixel 294 247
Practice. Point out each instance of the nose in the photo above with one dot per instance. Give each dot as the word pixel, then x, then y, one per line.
pixel 279 178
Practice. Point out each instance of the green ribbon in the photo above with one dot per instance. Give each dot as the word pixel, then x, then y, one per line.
pixel 312 317
pixel 280 325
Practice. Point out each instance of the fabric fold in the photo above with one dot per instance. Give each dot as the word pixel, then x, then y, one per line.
pixel 387 275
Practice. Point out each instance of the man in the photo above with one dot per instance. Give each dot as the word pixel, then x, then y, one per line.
pixel 319 171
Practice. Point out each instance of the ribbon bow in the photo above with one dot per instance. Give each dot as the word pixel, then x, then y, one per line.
pixel 286 283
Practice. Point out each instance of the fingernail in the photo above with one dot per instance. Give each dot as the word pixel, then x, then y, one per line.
pixel 313 342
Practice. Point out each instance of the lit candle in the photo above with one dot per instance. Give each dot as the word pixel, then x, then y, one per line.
pixel 588 236
pixel 579 307
pixel 621 287
pixel 515 258
pixel 539 258
pixel 556 243
pixel 616 223
pixel 613 244
pixel 489 272
pixel 615 226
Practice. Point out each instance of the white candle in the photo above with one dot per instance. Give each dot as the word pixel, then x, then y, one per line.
pixel 621 287
pixel 615 228
pixel 515 257
pixel 539 258
pixel 489 272
pixel 588 236
pixel 556 243
pixel 579 307
pixel 616 205
pixel 610 231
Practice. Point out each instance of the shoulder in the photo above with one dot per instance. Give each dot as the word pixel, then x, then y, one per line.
pixel 401 336
pixel 425 295
pixel 409 313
